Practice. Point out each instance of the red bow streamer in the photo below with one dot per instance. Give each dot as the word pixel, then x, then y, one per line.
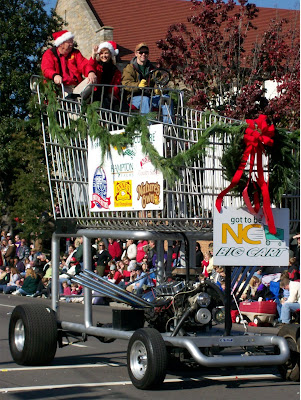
pixel 257 135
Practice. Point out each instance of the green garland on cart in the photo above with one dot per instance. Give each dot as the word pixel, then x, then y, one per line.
pixel 88 123
pixel 283 157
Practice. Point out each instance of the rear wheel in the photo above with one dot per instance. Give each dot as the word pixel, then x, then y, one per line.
pixel 290 371
pixel 147 358
pixel 33 334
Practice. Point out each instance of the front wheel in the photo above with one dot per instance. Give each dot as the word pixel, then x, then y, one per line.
pixel 33 334
pixel 290 371
pixel 147 358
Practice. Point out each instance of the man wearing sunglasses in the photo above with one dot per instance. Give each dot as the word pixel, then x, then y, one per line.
pixel 136 77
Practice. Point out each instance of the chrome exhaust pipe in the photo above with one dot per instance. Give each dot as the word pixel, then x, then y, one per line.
pixel 110 289
pixel 104 291
pixel 99 290
pixel 119 290
pixel 133 299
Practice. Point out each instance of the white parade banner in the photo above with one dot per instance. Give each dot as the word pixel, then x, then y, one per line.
pixel 127 181
pixel 243 239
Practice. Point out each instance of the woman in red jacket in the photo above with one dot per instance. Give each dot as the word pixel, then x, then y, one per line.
pixel 103 60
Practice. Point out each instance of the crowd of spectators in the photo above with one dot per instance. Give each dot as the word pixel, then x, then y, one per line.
pixel 22 265
pixel 26 270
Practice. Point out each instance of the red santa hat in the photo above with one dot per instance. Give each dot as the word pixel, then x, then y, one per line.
pixel 112 46
pixel 61 37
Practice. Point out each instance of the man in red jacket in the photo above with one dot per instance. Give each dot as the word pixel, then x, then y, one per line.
pixel 65 65
pixel 114 249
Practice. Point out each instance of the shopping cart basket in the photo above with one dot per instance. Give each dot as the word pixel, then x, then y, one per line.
pixel 187 202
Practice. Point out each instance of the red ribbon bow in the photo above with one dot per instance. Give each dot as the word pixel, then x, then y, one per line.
pixel 257 135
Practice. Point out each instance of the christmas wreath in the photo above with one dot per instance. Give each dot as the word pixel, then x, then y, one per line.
pixel 257 139
pixel 283 161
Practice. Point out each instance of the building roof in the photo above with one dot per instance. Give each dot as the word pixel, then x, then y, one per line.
pixel 148 21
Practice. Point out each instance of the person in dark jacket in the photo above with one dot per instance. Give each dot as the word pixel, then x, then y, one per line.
pixel 10 253
pixel 138 75
pixel 30 284
pixel 256 289
pixel 102 259
pixel 199 257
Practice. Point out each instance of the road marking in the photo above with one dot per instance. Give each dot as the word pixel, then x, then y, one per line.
pixel 62 367
pixel 123 383
pixel 6 305
pixel 74 344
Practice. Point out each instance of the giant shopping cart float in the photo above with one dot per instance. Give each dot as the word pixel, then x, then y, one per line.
pixel 178 321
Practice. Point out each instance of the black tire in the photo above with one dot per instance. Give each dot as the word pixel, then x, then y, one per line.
pixel 147 358
pixel 290 371
pixel 33 334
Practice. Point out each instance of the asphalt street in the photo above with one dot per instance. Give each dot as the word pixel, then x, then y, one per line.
pixel 94 370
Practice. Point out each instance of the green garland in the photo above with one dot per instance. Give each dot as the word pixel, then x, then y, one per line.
pixel 283 165
pixel 88 123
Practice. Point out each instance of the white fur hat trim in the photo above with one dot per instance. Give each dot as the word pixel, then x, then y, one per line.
pixel 107 45
pixel 61 39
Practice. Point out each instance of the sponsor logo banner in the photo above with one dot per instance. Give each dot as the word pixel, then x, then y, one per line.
pixel 126 181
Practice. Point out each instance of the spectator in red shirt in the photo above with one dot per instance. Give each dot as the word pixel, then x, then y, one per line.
pixel 120 275
pixel 114 249
pixel 205 264
pixel 140 252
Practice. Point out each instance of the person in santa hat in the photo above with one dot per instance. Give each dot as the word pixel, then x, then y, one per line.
pixel 65 65
pixel 103 61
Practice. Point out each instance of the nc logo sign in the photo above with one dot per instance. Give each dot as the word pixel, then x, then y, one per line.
pixel 241 235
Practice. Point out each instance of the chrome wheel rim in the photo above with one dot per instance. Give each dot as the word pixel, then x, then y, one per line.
pixel 19 335
pixel 138 359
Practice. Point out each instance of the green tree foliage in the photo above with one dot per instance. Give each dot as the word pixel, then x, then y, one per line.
pixel 209 56
pixel 29 192
pixel 25 30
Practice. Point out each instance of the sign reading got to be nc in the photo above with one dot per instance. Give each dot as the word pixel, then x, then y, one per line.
pixel 243 239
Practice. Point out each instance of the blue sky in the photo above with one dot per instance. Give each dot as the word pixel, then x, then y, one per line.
pixel 287 4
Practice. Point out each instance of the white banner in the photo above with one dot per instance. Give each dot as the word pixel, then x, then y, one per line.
pixel 127 181
pixel 243 239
